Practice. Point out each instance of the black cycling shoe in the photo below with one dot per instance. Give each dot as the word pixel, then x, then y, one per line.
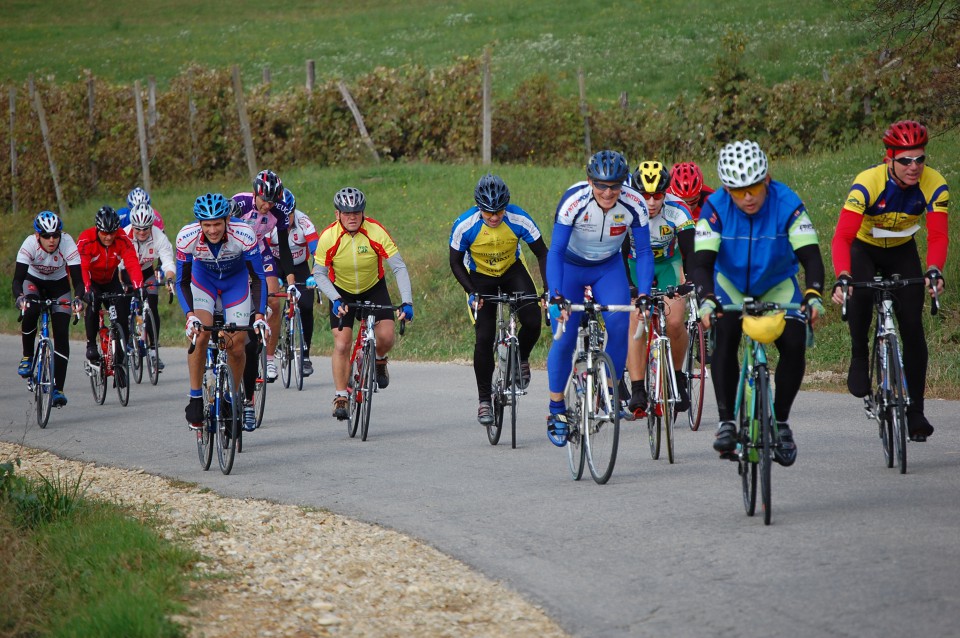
pixel 683 397
pixel 786 454
pixel 383 375
pixel 93 354
pixel 194 412
pixel 638 402
pixel 858 378
pixel 918 427
pixel 726 441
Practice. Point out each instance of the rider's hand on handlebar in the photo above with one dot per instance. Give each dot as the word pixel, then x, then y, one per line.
pixel 843 283
pixel 193 327
pixel 261 327
pixel 934 278
pixel 311 282
pixel 813 305
pixel 709 306
pixel 293 292
pixel 474 301
pixel 406 312
pixel 557 308
pixel 22 303
pixel 339 308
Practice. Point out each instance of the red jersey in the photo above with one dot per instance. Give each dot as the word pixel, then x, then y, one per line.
pixel 99 263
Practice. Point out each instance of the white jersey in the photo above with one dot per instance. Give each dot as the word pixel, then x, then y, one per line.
pixel 48 266
pixel 157 246
pixel 299 236
pixel 598 236
pixel 227 260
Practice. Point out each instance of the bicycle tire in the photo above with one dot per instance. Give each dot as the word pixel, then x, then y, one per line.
pixel 297 349
pixel 151 334
pixel 118 343
pixel 43 381
pixel 667 398
pixel 369 378
pixel 603 418
pixel 283 351
pixel 576 451
pixel 133 347
pixel 260 387
pixel 746 467
pixel 513 389
pixel 498 392
pixel 353 411
pixel 881 399
pixel 695 370
pixel 98 373
pixel 227 423
pixel 205 435
pixel 898 396
pixel 652 382
pixel 765 422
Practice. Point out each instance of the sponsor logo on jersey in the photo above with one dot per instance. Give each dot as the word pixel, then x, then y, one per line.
pixel 617 230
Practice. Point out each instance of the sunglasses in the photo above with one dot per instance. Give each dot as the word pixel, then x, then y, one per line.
pixel 653 196
pixel 601 186
pixel 753 190
pixel 907 161
pixel 49 235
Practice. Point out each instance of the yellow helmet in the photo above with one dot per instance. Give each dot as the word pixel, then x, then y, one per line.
pixel 767 328
pixel 651 177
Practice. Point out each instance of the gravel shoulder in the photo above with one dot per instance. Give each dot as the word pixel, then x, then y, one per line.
pixel 281 570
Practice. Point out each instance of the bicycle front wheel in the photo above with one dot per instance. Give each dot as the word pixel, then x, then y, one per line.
pixel 205 436
pixel 296 349
pixel 151 336
pixel 898 399
pixel 603 418
pixel 695 370
pixel 765 414
pixel 135 351
pixel 746 467
pixel 285 359
pixel 227 406
pixel 575 391
pixel 499 390
pixel 667 398
pixel 882 399
pixel 513 390
pixel 353 419
pixel 98 373
pixel 43 381
pixel 368 378
pixel 260 387
pixel 121 365
pixel 654 407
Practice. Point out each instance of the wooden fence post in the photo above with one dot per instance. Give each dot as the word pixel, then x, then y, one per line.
pixel 151 104
pixel 94 134
pixel 359 119
pixel 266 79
pixel 624 100
pixel 584 112
pixel 13 150
pixel 142 134
pixel 45 131
pixel 311 75
pixel 487 108
pixel 244 122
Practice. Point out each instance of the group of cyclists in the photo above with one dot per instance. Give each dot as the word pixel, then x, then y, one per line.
pixel 620 233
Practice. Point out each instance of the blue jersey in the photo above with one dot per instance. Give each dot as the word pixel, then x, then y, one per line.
pixel 491 251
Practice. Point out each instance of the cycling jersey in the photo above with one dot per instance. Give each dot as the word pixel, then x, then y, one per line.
pixel 597 236
pixel 674 216
pixel 156 246
pixel 755 252
pixel 48 266
pixel 124 214
pixel 491 251
pixel 354 262
pixel 262 224
pixel 302 238
pixel 99 263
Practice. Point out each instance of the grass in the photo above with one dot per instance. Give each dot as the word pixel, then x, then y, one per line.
pixel 650 50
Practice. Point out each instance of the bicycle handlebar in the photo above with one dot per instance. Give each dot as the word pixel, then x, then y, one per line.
pixel 48 303
pixel 221 327
pixel 371 307
pixel 894 282
pixel 593 307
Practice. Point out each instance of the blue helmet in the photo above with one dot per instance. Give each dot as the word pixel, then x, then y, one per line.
pixel 47 222
pixel 491 194
pixel 288 204
pixel 211 206
pixel 608 166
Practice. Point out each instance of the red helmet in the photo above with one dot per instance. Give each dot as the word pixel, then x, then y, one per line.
pixel 686 180
pixel 905 134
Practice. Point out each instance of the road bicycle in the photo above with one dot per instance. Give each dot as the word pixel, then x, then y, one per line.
pixel 363 366
pixel 887 403
pixel 291 347
pixel 661 379
pixel 144 341
pixel 695 362
pixel 592 395
pixel 758 435
pixel 40 381
pixel 507 384
pixel 222 400
pixel 111 349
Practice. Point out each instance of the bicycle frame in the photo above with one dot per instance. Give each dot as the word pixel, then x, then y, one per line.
pixel 660 376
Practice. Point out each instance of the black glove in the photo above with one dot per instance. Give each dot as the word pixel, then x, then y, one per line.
pixel 90 297
pixel 634 292
pixel 842 281
pixel 642 302
pixel 933 275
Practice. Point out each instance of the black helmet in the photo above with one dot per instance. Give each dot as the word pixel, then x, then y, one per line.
pixel 651 177
pixel 268 187
pixel 107 220
pixel 491 194
pixel 350 200
pixel 608 166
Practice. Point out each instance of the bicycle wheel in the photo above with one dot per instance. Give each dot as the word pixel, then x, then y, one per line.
pixel 227 405
pixel 898 398
pixel 118 342
pixel 695 370
pixel 654 407
pixel 353 420
pixel 499 391
pixel 205 435
pixel 603 418
pixel 369 379
pixel 98 373
pixel 150 335
pixel 667 398
pixel 576 451
pixel 765 422
pixel 43 381
pixel 513 389
pixel 135 346
pixel 881 399
pixel 260 387
pixel 746 468
pixel 283 350
pixel 296 348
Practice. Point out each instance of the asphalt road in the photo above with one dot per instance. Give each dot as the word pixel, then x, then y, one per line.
pixel 855 549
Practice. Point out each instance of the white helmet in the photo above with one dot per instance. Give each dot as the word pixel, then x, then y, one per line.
pixel 142 216
pixel 741 164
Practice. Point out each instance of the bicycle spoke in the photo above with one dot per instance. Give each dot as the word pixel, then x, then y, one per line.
pixel 603 418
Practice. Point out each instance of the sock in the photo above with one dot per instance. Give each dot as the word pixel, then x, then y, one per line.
pixel 557 407
pixel 196 394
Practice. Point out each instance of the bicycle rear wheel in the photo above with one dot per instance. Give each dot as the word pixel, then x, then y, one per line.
pixel 695 370
pixel 151 336
pixel 499 391
pixel 654 407
pixel 898 398
pixel 227 406
pixel 576 451
pixel 135 330
pixel 368 378
pixel 765 414
pixel 205 436
pixel 297 350
pixel 283 354
pixel 667 398
pixel 260 387
pixel 121 370
pixel 43 381
pixel 603 418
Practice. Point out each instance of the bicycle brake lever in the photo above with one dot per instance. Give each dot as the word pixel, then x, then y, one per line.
pixel 403 326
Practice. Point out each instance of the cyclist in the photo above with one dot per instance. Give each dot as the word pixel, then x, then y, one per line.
pixel 485 258
pixel 349 268
pixel 102 249
pixel 43 262
pixel 592 220
pixel 686 182
pixel 265 209
pixel 219 267
pixel 875 235
pixel 302 236
pixel 752 237
pixel 135 197
pixel 670 227
pixel 151 244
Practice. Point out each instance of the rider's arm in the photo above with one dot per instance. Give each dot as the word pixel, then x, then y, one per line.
pixel 843 236
pixel 286 257
pixel 184 278
pixel 258 279
pixel 685 240
pixel 812 262
pixel 937 239
pixel 19 275
pixel 77 278
pixel 322 274
pixel 641 240
pixel 460 270
pixel 403 278
pixel 131 261
pixel 164 250
pixel 625 254
pixel 704 261
pixel 539 250
pixel 558 247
